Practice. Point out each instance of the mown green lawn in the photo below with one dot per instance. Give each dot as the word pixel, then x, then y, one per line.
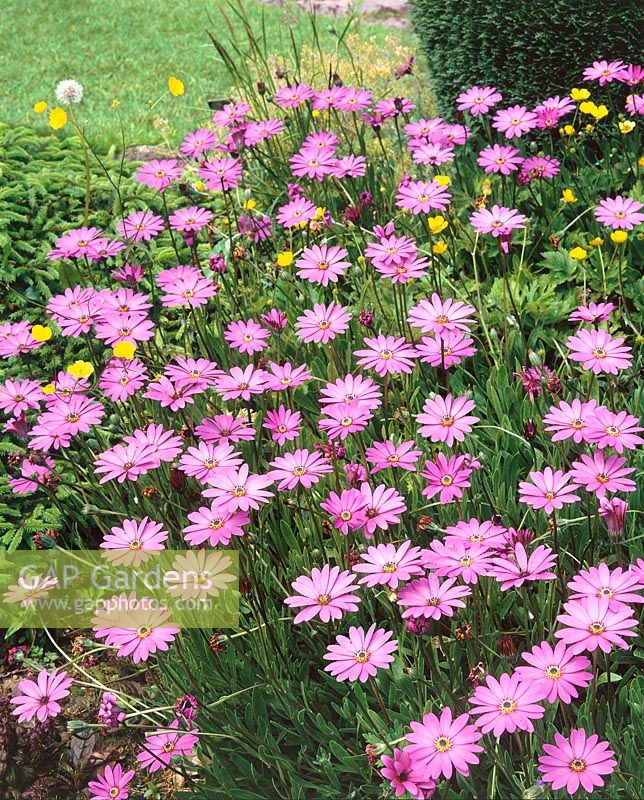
pixel 125 50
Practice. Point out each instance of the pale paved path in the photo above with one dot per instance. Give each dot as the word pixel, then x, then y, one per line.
pixel 393 13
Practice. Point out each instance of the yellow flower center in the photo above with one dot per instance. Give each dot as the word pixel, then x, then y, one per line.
pixel 114 791
pixel 239 491
pixel 135 544
pixel 345 516
pixel 389 566
pixel 606 591
pixel 299 471
pixel 393 458
pixel 143 632
pixel 611 430
pixel 362 656
pixel 324 324
pixel 386 354
pixel 346 422
pixel 507 706
pixel 447 421
pixel 599 352
pixel 443 744
pixel 216 524
pixel 447 480
pixel 550 495
pixel 577 424
pixel 465 561
pixel 553 672
pixel 323 599
pixel 577 765
pixel 72 417
pixel 168 747
pixel 603 478
pixel 441 319
pixel 596 628
pixel 323 265
pixel 248 337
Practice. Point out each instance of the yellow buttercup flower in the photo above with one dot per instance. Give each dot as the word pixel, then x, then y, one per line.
pixel 568 130
pixel 486 188
pixel 175 86
pixel 315 113
pixel 437 224
pixel 619 237
pixel 57 118
pixel 579 94
pixel 285 258
pixel 320 211
pixel 249 204
pixel 41 333
pixel 627 126
pixel 40 107
pixel 199 186
pixel 589 128
pixel 641 161
pixel 578 253
pixel 568 196
pixel 596 242
pixel 124 350
pixel 442 180
pixel 80 369
pixel 440 247
pixel 588 107
pixel 48 389
pixel 599 112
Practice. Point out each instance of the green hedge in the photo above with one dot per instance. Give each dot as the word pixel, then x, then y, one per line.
pixel 528 50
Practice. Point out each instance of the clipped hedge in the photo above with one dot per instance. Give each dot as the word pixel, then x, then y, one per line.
pixel 527 50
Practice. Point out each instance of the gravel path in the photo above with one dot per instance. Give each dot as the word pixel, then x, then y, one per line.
pixel 392 13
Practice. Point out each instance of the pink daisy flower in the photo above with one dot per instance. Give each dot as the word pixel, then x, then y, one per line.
pixel 555 672
pixel 185 286
pixel 604 71
pixel 247 337
pixel 284 425
pixel 214 526
pixel 192 372
pixel 499 220
pixel 590 624
pixel 296 212
pixel 359 656
pixel 140 226
pixel 348 510
pixel 514 570
pixel 16 397
pixel 40 698
pixel 190 220
pixel 207 462
pixel 159 174
pixel 256 132
pixel 440 745
pixel 221 174
pixel 280 377
pixel 111 784
pixel 448 477
pixel 514 121
pixel 224 428
pixel 312 163
pixel 499 159
pixel 327 593
pixel 344 418
pixel 619 431
pixel 446 419
pixel 241 383
pixel 323 323
pixel 441 315
pixel 413 267
pixel 598 351
pixel 382 508
pixel 135 537
pixel 581 760
pixel 446 349
pixel 299 468
pixel 593 312
pixel 198 142
pixel 433 153
pixel 75 243
pixel 131 328
pixel 123 462
pixel 388 565
pixel 570 420
pixel 164 445
pixel 619 212
pixel 391 250
pixel 153 634
pixel 430 598
pixel 165 392
pixel 165 746
pixel 239 490
pixel 32 477
pixel 599 474
pixel 75 415
pixel 276 320
pixel 321 264
pixel 458 558
pixel 293 96
pixel 618 585
pixel 507 704
pixel 475 532
pixel 401 771
pixel 549 490
pixel 231 114
pixel 387 355
pixel 352 388
pixel 537 167
pixel 420 197
pixel 354 99
pixel 349 167
pixel 478 100
pixel 388 454
pixel 631 75
pixel 16 338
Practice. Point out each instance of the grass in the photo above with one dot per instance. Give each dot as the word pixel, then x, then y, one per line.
pixel 125 50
